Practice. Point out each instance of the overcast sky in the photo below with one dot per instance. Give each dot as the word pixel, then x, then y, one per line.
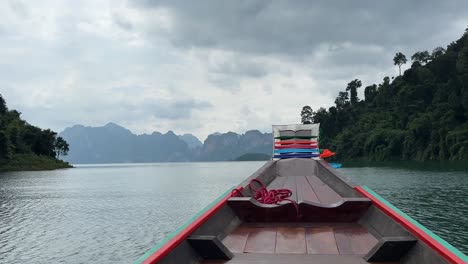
pixel 204 66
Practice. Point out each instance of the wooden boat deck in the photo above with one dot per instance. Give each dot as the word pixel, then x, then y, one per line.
pixel 293 259
pixel 302 238
pixel 298 243
pixel 306 188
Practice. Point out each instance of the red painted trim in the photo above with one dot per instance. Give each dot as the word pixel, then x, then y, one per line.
pixel 175 241
pixel 296 146
pixel 447 254
pixel 288 142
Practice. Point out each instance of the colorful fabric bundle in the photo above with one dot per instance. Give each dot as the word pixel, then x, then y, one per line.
pixel 296 141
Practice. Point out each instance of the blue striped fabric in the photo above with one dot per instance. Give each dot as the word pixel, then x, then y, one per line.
pixel 296 150
pixel 288 156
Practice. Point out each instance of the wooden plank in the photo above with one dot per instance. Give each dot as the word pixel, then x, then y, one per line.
pixel 290 259
pixel 343 241
pixel 325 194
pixel 305 192
pixel 261 240
pixel 290 240
pixel 277 183
pixel 291 185
pixel 321 240
pixel 361 240
pixel 237 239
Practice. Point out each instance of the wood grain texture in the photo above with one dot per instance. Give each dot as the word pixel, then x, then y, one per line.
pixel 321 240
pixel 277 183
pixel 237 239
pixel 291 185
pixel 261 240
pixel 325 194
pixel 305 192
pixel 343 241
pixel 290 240
pixel 361 240
pixel 291 259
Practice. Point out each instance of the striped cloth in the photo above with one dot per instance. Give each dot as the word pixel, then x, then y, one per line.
pixel 296 141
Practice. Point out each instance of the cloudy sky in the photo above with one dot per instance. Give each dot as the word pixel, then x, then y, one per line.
pixel 204 66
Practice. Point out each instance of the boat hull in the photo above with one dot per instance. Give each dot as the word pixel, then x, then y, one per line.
pixel 332 210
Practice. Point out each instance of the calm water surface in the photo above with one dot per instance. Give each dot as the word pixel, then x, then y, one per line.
pixel 114 213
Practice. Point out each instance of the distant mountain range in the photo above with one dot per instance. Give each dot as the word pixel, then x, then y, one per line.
pixel 192 141
pixel 115 144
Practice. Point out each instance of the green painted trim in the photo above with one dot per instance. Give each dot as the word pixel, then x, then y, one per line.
pixel 455 251
pixel 178 230
pixel 292 137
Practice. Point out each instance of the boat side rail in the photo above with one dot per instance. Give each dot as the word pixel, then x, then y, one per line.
pixel 215 220
pixel 336 180
pixel 387 220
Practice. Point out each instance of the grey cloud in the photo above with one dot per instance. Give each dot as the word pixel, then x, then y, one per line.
pixel 122 22
pixel 298 27
pixel 227 73
pixel 19 9
pixel 241 68
pixel 224 82
pixel 178 106
pixel 196 47
pixel 175 109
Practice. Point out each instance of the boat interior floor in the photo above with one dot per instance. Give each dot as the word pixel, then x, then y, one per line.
pixel 292 259
pixel 306 188
pixel 298 243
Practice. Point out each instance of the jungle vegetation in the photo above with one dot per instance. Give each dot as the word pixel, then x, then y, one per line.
pixel 420 115
pixel 26 147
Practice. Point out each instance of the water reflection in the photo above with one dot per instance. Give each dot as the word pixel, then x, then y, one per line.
pixel 115 213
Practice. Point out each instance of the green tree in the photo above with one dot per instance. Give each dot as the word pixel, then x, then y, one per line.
pixel 370 92
pixel 341 100
pixel 421 56
pixel 61 147
pixel 21 144
pixel 3 107
pixel 399 60
pixel 4 149
pixel 421 115
pixel 437 52
pixel 352 88
pixel 306 115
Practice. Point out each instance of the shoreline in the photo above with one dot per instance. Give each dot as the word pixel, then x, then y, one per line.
pixel 32 162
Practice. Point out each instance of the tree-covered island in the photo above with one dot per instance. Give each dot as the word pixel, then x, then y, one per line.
pixel 26 147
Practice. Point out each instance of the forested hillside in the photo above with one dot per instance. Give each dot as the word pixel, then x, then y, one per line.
pixel 26 147
pixel 421 115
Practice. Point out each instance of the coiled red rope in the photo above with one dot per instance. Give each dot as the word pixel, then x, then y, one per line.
pixel 265 196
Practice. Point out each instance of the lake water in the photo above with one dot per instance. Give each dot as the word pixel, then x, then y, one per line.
pixel 115 213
